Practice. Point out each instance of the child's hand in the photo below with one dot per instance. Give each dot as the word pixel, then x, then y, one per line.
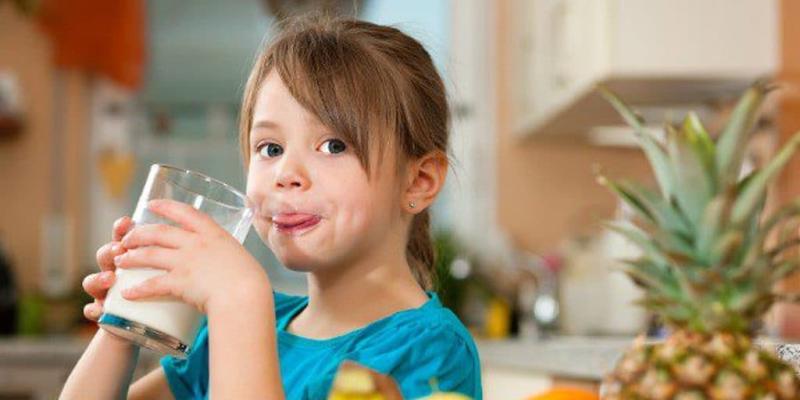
pixel 204 263
pixel 97 284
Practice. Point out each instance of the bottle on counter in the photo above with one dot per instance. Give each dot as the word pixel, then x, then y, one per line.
pixel 8 295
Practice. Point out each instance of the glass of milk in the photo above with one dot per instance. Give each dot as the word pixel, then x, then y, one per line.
pixel 167 325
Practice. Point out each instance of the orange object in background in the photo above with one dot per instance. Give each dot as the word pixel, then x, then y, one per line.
pixel 566 394
pixel 98 36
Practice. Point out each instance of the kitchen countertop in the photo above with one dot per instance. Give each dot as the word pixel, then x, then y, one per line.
pixel 48 350
pixel 573 357
pixel 41 350
pixel 580 358
pixel 37 367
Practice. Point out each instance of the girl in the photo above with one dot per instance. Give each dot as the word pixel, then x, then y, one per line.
pixel 344 132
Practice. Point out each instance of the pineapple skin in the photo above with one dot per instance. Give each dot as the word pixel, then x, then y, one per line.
pixel 689 366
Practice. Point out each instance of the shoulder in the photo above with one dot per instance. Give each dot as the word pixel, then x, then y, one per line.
pixel 419 345
pixel 432 323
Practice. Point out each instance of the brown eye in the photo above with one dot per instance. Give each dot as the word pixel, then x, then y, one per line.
pixel 334 146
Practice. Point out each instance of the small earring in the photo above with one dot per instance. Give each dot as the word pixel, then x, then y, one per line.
pixel 411 204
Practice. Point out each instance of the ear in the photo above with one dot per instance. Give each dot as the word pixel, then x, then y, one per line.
pixel 426 177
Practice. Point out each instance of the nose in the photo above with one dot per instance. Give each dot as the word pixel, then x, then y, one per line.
pixel 291 175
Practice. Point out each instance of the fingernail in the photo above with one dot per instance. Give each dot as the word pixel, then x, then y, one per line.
pixel 117 259
pixel 116 248
pixel 106 276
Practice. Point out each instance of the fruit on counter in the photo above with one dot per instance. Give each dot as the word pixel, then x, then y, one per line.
pixel 706 268
pixel 565 394
pixel 440 395
pixel 356 382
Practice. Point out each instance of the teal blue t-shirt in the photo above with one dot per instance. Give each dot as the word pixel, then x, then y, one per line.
pixel 411 346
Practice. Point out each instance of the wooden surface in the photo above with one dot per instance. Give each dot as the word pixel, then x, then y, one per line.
pixel 788 316
pixel 25 163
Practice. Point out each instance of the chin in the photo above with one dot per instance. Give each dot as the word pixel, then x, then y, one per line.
pixel 298 264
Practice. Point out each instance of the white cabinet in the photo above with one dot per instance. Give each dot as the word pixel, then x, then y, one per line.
pixel 652 52
pixel 501 383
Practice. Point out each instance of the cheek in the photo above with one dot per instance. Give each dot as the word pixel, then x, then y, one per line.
pixel 258 181
pixel 361 210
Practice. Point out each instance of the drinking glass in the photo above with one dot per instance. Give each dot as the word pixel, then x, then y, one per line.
pixel 165 324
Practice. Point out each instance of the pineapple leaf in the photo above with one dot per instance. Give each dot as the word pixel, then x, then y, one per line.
pixel 734 137
pixel 652 149
pixel 659 246
pixel 755 189
pixel 784 269
pixel 630 198
pixel 752 240
pixel 663 214
pixel 677 249
pixel 783 246
pixel 650 276
pixel 694 184
pixel 714 220
pixel 703 145
pixel 640 239
pixel 725 248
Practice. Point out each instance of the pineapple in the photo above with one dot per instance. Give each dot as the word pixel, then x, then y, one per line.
pixel 706 269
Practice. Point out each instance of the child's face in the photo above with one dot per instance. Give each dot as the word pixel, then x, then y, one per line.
pixel 301 173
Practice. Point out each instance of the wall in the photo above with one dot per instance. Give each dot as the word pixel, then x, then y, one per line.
pixel 789 123
pixel 546 189
pixel 25 173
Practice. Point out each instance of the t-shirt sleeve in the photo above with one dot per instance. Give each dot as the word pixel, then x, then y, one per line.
pixel 419 357
pixel 188 378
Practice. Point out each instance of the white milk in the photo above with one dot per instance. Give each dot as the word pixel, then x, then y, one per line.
pixel 172 317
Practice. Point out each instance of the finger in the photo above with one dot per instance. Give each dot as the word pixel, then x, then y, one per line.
pixel 106 253
pixel 93 311
pixel 159 286
pixel 97 284
pixel 156 235
pixel 147 257
pixel 185 215
pixel 121 227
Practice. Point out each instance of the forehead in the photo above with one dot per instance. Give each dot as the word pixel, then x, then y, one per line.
pixel 276 105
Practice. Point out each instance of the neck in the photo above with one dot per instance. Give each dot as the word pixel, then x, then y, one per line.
pixel 388 284
pixel 347 297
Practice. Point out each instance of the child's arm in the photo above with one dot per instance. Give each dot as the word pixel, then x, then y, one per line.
pixel 243 360
pixel 105 369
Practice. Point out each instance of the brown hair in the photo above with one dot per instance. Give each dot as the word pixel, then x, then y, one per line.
pixel 369 83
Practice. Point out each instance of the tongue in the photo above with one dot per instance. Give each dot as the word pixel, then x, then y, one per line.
pixel 294 219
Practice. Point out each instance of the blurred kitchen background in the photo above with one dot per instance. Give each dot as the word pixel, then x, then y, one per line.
pixel 93 92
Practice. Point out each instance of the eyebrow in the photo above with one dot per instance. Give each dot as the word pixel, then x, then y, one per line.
pixel 266 124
